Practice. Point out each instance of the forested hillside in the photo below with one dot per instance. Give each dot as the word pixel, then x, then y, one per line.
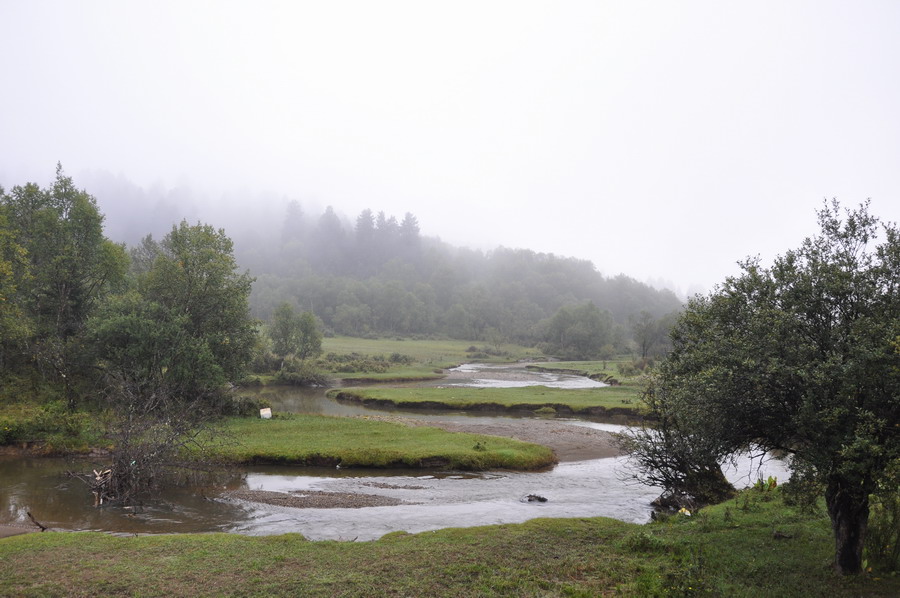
pixel 381 275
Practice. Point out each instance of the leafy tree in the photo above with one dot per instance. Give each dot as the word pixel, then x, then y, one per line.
pixel 15 326
pixel 800 358
pixel 651 335
pixel 167 348
pixel 194 277
pixel 71 266
pixel 310 337
pixel 578 332
pixel 295 334
pixel 284 330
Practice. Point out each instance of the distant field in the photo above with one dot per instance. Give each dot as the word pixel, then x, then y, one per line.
pixel 533 397
pixel 361 442
pixel 436 353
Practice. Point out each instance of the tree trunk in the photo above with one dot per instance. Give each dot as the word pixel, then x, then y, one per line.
pixel 848 507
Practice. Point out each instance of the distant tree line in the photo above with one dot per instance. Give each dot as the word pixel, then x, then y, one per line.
pixel 380 276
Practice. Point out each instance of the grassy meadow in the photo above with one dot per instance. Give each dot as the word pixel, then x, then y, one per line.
pixel 435 353
pixel 753 545
pixel 364 442
pixel 531 398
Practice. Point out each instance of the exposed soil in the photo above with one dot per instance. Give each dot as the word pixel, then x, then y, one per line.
pixel 7 530
pixel 314 499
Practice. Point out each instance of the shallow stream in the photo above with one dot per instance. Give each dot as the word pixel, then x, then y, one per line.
pixel 432 499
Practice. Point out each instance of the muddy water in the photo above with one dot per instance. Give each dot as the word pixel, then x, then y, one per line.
pixel 431 500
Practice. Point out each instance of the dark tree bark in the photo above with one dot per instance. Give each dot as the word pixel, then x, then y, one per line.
pixel 848 508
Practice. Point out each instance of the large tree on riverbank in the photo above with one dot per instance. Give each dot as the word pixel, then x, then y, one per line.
pixel 56 268
pixel 167 350
pixel 800 357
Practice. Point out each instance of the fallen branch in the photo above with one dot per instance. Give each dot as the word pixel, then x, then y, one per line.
pixel 35 521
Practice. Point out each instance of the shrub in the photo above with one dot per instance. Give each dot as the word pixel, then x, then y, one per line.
pixel 883 535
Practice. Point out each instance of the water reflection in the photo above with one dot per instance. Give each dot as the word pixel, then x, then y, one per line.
pixel 432 500
pixel 482 375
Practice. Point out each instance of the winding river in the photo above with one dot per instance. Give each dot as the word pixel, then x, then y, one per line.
pixel 430 499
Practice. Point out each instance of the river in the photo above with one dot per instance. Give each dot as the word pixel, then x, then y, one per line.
pixel 430 499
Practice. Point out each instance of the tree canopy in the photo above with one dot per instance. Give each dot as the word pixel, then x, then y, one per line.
pixel 800 357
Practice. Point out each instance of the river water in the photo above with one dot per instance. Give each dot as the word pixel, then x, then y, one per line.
pixel 431 499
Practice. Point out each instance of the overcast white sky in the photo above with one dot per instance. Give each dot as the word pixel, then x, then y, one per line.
pixel 665 140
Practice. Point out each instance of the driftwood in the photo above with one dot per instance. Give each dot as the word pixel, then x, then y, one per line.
pixel 100 486
pixel 35 521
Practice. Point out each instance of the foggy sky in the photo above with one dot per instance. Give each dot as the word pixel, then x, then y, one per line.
pixel 665 140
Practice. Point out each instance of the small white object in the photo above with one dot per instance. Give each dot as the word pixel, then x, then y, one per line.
pixel 266 413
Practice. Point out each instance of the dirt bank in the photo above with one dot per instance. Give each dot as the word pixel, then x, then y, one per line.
pixel 7 530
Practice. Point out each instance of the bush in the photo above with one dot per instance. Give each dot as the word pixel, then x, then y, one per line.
pixel 302 374
pixel 402 359
pixel 883 536
pixel 246 406
pixel 51 423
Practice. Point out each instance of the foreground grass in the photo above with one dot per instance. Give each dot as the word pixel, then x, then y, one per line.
pixel 729 550
pixel 363 442
pixel 563 401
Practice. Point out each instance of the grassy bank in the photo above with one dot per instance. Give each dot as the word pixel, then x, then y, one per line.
pixel 751 546
pixel 593 401
pixel 435 353
pixel 362 442
pixel 50 428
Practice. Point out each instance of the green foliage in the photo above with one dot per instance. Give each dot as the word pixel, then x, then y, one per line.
pixel 55 266
pixel 587 401
pixel 382 278
pixel 194 278
pixel 300 373
pixel 883 536
pixel 15 326
pixel 578 332
pixel 798 357
pixel 51 426
pixel 295 334
pixel 347 363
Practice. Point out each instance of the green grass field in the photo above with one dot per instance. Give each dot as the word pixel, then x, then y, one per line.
pixel 363 442
pixel 434 353
pixel 751 546
pixel 531 398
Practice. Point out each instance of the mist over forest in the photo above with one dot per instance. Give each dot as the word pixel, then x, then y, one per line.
pixel 378 273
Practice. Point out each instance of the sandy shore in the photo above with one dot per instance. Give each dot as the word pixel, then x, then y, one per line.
pixel 314 499
pixel 8 530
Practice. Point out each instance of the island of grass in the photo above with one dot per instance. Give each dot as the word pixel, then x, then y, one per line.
pixel 608 400
pixel 362 442
pixel 754 545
